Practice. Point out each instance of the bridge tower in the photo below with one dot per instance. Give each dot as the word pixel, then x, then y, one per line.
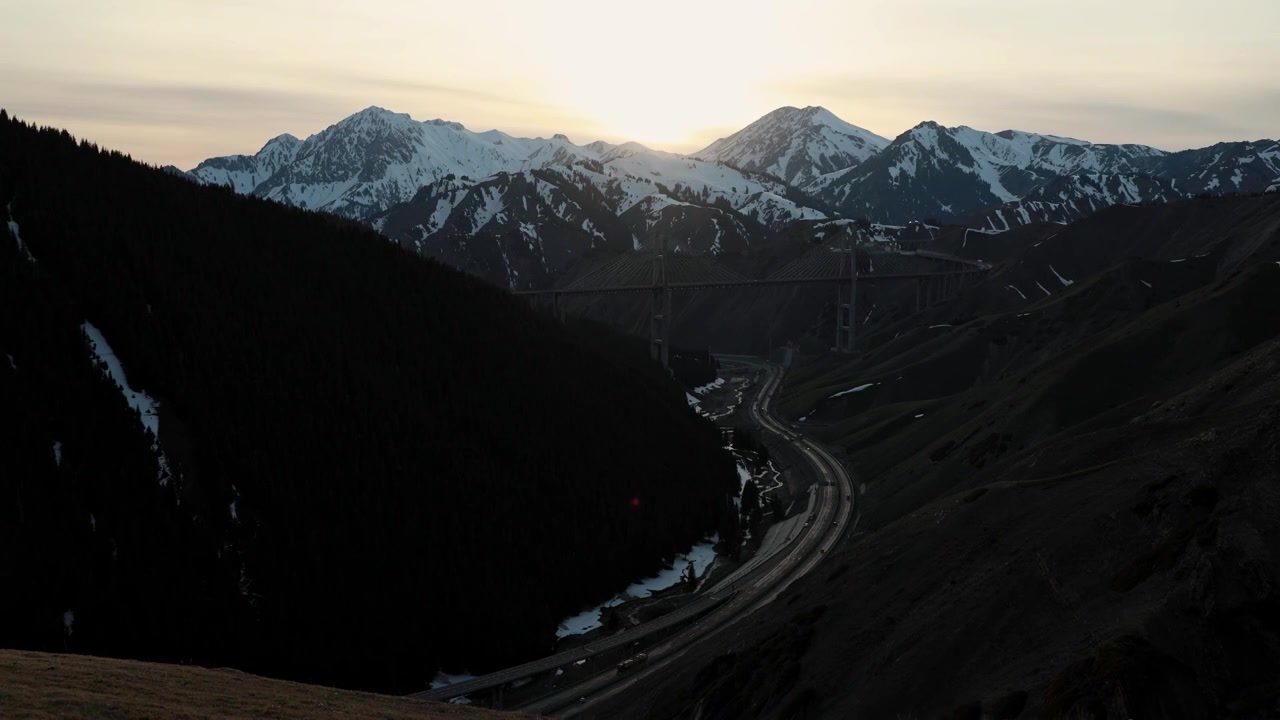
pixel 847 295
pixel 660 305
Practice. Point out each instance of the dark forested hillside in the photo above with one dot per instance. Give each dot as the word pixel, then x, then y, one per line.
pixel 380 464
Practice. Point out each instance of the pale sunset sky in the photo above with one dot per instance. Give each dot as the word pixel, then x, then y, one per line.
pixel 176 81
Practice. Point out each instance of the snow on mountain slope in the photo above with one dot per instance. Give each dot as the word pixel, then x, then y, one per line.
pixel 935 171
pixel 244 173
pixel 1245 167
pixel 796 145
pixel 142 403
pixel 511 209
pixel 633 176
pixel 792 165
pixel 374 159
pixel 368 163
pixel 1071 197
pixel 516 229
pixel 520 229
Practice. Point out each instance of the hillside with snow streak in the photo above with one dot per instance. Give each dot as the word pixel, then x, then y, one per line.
pixel 948 173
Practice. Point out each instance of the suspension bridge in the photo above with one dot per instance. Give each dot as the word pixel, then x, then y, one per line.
pixel 843 263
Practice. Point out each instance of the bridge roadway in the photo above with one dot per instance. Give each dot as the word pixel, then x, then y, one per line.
pixel 756 584
pixel 964 267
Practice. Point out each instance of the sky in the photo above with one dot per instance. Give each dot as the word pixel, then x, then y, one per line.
pixel 177 81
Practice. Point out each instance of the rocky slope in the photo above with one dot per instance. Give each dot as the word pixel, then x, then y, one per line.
pixel 1070 504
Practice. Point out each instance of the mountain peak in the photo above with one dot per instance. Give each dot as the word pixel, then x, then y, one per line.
pixel 376 111
pixel 796 144
pixel 284 140
pixel 445 123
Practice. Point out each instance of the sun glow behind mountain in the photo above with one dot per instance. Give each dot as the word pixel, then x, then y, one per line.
pixel 174 81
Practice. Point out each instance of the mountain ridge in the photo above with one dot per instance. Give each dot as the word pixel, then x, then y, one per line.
pixel 793 165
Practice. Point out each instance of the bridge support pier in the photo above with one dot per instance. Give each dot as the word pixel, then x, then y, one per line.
pixel 557 308
pixel 847 306
pixel 660 307
pixel 660 326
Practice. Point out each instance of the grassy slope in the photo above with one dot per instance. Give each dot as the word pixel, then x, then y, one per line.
pixel 42 685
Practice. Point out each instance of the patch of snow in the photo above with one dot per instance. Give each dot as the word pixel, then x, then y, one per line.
pixel 1011 287
pixel 743 476
pixel 935 327
pixel 444 679
pixel 1144 282
pixel 232 509
pixel 12 365
pixel 920 416
pixel 1065 282
pixel 93 523
pixel 57 453
pixel 146 407
pixel 1046 292
pixel 704 389
pixel 859 388
pixel 693 401
pixel 68 622
pixel 17 236
pixel 1178 260
pixel 701 555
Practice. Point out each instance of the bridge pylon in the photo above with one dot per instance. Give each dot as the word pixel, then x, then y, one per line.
pixel 660 306
pixel 847 296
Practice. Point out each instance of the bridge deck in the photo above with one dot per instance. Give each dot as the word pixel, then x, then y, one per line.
pixel 635 273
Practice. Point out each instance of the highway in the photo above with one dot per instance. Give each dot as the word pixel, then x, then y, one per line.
pixel 754 585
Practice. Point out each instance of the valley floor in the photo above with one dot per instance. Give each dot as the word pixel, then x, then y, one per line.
pixel 42 685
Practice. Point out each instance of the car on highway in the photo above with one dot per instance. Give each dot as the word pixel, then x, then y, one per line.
pixel 632 662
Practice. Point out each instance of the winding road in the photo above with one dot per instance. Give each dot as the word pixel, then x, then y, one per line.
pixel 788 553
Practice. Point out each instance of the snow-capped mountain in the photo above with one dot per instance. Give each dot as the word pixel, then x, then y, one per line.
pixel 519 229
pixel 516 210
pixel 1071 197
pixel 941 172
pixel 796 145
pixel 376 158
pixel 1245 167
pixel 244 173
pixel 516 229
pixel 438 187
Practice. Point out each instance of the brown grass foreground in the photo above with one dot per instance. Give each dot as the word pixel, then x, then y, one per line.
pixel 40 685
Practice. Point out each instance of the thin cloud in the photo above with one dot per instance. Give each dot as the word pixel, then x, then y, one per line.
pixel 383 85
